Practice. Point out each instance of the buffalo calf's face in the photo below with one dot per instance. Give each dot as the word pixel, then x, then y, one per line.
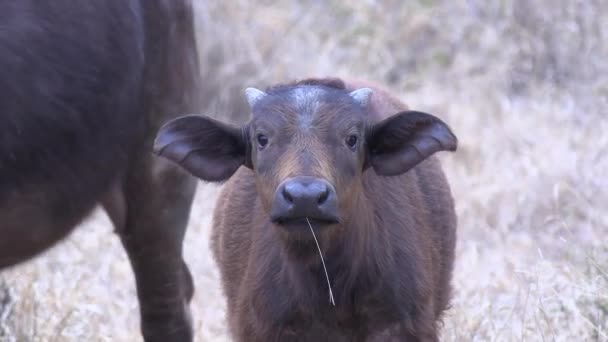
pixel 308 146
pixel 307 152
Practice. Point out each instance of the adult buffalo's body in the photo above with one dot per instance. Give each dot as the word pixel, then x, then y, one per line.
pixel 356 164
pixel 84 87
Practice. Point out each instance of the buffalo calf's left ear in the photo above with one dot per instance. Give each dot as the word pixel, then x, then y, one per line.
pixel 402 141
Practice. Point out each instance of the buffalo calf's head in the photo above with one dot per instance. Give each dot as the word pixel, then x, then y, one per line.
pixel 308 146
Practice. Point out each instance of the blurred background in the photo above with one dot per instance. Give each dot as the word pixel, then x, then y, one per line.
pixel 524 86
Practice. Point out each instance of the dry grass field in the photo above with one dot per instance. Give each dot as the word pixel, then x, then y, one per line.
pixel 524 85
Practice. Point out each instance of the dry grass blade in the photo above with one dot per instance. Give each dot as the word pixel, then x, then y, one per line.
pixel 331 294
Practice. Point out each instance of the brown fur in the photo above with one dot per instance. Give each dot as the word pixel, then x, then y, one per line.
pixel 389 261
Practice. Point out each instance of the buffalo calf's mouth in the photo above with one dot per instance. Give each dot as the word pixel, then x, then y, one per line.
pixel 298 223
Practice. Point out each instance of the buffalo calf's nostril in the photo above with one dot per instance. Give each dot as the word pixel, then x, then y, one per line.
pixel 323 195
pixel 287 196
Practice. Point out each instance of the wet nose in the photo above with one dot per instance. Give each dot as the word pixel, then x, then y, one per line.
pixel 301 197
pixel 304 193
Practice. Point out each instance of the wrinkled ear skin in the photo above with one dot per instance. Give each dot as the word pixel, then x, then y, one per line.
pixel 205 147
pixel 402 141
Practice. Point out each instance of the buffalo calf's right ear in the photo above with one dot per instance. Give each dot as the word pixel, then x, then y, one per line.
pixel 205 147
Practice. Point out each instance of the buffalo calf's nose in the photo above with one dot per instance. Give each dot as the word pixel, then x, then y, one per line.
pixel 302 197
pixel 315 192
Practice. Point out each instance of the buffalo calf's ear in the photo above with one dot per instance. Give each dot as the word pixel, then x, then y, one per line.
pixel 207 148
pixel 402 141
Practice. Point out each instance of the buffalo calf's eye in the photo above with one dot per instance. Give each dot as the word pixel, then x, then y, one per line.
pixel 262 140
pixel 351 141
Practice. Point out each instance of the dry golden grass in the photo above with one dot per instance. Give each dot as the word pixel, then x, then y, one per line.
pixel 524 88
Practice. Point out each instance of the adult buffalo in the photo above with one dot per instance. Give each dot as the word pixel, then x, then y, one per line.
pixel 84 86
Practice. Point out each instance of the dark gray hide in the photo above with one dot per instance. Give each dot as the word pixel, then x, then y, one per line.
pixel 84 87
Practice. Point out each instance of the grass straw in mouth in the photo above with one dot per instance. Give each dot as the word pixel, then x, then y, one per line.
pixel 331 294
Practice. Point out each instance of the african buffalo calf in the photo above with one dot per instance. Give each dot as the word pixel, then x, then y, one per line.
pixel 84 87
pixel 355 166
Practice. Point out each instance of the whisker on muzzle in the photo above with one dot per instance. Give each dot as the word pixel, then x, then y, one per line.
pixel 331 294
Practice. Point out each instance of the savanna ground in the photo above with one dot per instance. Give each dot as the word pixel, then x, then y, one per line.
pixel 523 85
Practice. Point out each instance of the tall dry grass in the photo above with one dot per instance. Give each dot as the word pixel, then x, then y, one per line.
pixel 523 85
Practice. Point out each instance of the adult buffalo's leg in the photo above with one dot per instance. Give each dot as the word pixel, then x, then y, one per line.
pixel 158 198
